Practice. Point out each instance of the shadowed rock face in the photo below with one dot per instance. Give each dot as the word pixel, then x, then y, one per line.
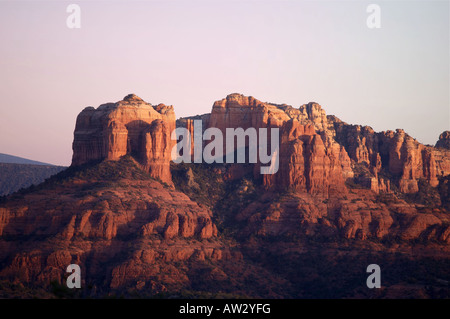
pixel 129 228
pixel 130 126
pixel 444 140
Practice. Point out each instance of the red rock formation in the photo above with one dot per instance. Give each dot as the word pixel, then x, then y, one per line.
pixel 105 215
pixel 188 123
pixel 444 140
pixel 305 162
pixel 94 220
pixel 442 154
pixel 442 159
pixel 237 110
pixel 397 153
pixel 310 160
pixel 130 126
pixel 129 231
pixel 358 215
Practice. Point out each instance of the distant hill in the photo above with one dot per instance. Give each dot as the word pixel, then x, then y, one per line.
pixel 16 176
pixel 5 158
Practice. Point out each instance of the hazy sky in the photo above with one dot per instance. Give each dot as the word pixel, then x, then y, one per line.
pixel 191 53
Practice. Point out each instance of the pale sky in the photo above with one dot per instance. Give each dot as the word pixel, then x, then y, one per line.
pixel 191 53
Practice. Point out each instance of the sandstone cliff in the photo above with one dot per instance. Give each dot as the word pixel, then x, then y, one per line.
pixel 396 154
pixel 310 160
pixel 319 153
pixel 342 190
pixel 444 140
pixel 130 126
pixel 121 226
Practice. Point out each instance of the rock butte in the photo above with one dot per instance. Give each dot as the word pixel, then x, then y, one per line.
pixel 318 152
pixel 130 126
pixel 128 230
